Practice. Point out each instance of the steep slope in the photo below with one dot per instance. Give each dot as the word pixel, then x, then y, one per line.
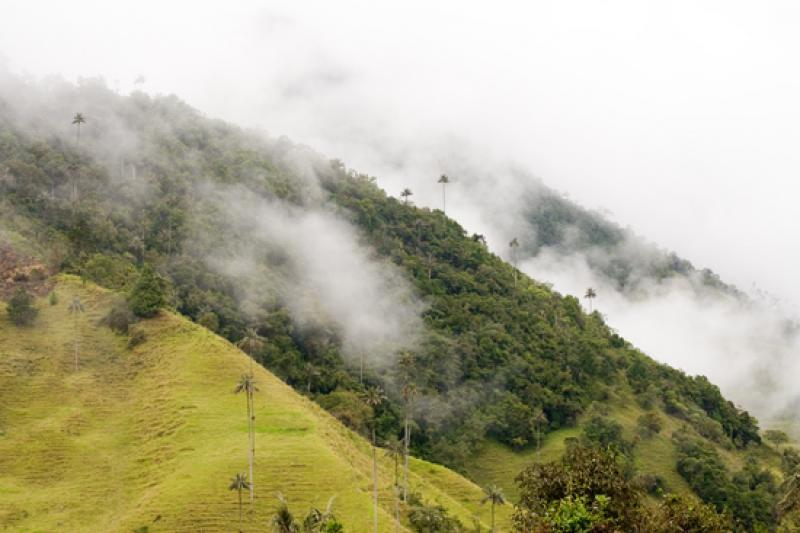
pixel 150 436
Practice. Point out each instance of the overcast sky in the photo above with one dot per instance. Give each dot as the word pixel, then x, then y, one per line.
pixel 682 119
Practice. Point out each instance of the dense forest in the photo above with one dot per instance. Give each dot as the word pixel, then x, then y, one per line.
pixel 149 183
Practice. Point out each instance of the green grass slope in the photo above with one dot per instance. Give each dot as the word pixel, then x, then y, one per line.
pixel 151 436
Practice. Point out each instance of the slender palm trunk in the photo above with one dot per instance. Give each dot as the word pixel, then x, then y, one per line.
pixel 374 481
pixel 240 509
pixel 492 516
pixel 76 342
pixel 252 435
pixel 406 446
pixel 444 204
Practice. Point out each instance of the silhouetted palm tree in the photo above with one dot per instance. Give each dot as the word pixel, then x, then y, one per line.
pixel 78 120
pixel 405 194
pixel 239 483
pixel 590 295
pixel 75 309
pixel 247 385
pixel 373 397
pixel 493 494
pixel 444 180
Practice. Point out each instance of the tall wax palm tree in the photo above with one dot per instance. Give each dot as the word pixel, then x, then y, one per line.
pixel 513 246
pixel 78 120
pixel 493 494
pixel 406 364
pixel 444 180
pixel 590 295
pixel 405 194
pixel 373 397
pixel 394 450
pixel 239 483
pixel 247 385
pixel 75 309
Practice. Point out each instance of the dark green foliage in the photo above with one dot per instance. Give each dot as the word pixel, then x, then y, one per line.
pixel 649 424
pixel 604 433
pixel 588 491
pixel 21 310
pixel 53 298
pixel 147 296
pixel 583 473
pixel 749 495
pixel 110 271
pixel 348 407
pixel 430 518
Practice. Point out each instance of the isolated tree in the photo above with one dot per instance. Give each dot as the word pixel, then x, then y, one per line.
pixel 239 483
pixel 493 494
pixel 283 520
pixel 248 386
pixel 76 309
pixel 513 246
pixel 20 308
pixel 405 194
pixel 147 296
pixel 590 295
pixel 373 397
pixel 444 180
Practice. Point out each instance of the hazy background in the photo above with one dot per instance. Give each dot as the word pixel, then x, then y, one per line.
pixel 678 119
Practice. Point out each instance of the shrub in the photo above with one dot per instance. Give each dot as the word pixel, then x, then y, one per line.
pixel 137 337
pixel 119 318
pixel 20 308
pixel 649 424
pixel 53 298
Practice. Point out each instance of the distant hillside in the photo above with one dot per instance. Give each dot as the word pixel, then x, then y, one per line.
pixel 150 436
pixel 252 232
pixel 558 225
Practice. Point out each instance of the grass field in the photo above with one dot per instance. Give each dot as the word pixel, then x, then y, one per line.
pixel 151 436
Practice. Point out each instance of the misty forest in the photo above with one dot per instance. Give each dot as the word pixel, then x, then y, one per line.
pixel 205 327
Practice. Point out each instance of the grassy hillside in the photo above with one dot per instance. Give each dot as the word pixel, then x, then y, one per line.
pixel 497 357
pixel 151 436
